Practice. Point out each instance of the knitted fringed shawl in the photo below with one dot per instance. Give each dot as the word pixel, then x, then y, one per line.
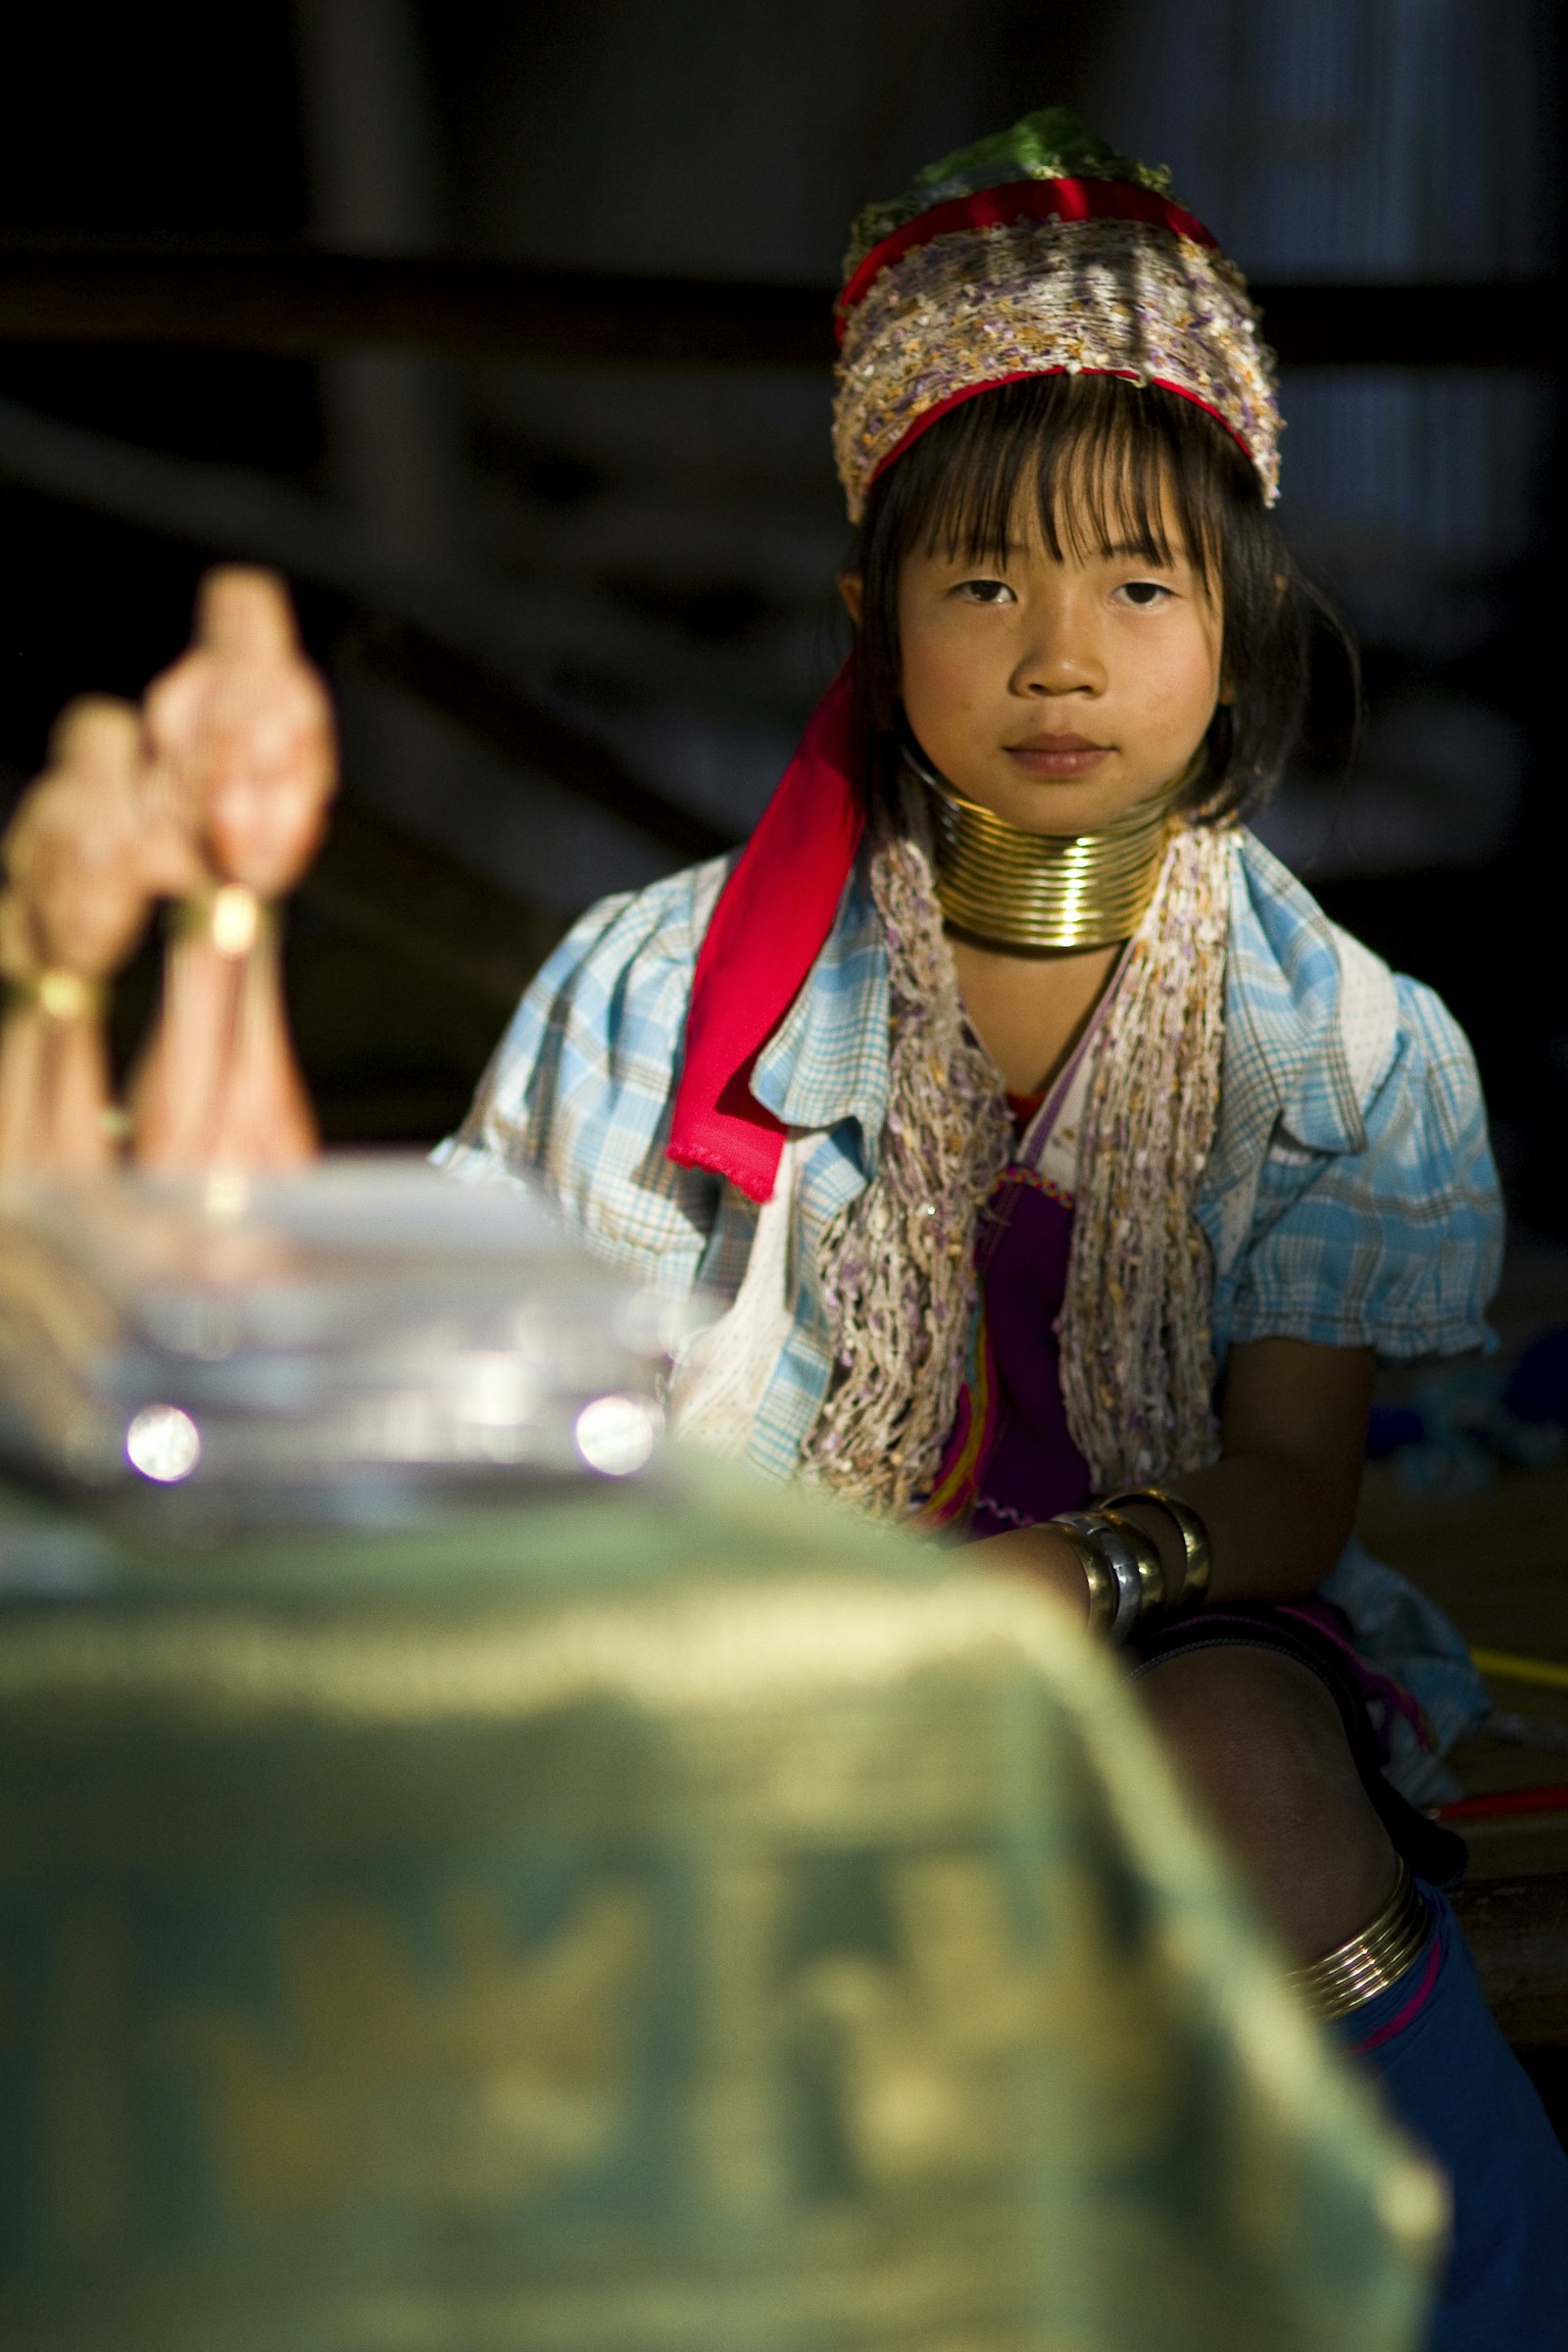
pixel 898 1265
pixel 1136 1358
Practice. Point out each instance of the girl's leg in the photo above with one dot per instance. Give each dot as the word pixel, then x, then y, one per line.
pixel 1259 1742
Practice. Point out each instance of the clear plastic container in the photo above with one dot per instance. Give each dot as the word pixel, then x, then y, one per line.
pixel 361 1324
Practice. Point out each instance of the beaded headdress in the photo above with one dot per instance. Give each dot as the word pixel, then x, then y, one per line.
pixel 1033 253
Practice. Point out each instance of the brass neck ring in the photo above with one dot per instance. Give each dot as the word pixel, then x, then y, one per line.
pixel 1035 892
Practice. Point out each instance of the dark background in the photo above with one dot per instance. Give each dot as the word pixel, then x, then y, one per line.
pixel 576 607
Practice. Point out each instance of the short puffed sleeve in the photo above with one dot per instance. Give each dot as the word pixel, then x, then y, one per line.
pixel 1395 1245
pixel 577 1096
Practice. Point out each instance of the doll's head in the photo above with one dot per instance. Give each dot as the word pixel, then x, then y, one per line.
pixel 1057 435
pixel 1086 560
pixel 80 891
pixel 240 733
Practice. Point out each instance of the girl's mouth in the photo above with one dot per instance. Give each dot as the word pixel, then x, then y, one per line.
pixel 1063 756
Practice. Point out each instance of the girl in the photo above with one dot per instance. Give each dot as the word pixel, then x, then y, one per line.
pixel 1049 1141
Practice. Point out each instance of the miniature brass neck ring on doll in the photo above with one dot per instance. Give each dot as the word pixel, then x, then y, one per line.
pixel 231 918
pixel 61 997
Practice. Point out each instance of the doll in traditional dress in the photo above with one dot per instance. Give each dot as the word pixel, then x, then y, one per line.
pixel 82 868
pixel 241 765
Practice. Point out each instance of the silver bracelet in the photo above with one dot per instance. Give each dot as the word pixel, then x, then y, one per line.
pixel 1120 1557
pixel 1146 1551
pixel 1196 1552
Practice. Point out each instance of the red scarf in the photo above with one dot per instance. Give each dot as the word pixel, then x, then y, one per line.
pixel 767 930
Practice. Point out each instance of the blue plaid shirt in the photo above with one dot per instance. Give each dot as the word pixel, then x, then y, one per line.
pixel 1350 1199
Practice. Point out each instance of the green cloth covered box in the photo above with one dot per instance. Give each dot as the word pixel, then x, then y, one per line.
pixel 669 1917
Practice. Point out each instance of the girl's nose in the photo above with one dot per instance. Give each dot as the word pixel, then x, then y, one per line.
pixel 1058 660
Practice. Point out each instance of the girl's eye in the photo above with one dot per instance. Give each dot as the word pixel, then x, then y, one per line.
pixel 985 592
pixel 1145 596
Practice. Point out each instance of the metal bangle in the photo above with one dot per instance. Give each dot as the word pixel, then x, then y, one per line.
pixel 1103 1588
pixel 1357 1971
pixel 1119 1554
pixel 1196 1552
pixel 1150 1566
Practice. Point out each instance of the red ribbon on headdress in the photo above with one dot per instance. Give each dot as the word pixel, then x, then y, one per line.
pixel 767 930
pixel 1021 200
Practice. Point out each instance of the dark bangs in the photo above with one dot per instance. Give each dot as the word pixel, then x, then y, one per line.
pixel 1111 465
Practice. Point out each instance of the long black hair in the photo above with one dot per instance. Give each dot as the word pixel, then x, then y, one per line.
pixel 1113 464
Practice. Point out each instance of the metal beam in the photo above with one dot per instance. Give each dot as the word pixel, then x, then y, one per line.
pixel 300 301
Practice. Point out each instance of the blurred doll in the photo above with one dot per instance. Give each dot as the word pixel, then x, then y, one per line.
pixel 83 867
pixel 241 762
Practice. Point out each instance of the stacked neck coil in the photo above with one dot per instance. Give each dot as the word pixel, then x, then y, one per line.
pixel 1044 891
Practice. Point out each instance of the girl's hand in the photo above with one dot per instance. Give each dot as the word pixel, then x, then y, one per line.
pixel 1044 1556
pixel 1278 1504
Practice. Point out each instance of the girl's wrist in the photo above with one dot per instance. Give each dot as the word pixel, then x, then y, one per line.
pixel 1100 1596
pixel 1050 1557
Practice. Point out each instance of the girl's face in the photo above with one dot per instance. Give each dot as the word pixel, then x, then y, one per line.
pixel 1054 691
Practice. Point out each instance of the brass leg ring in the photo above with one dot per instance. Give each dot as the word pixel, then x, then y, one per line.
pixel 1358 1969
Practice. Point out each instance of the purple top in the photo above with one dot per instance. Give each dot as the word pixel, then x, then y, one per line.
pixel 1010 1461
pixel 1030 1469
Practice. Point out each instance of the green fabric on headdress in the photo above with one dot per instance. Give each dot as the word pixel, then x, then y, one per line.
pixel 1052 143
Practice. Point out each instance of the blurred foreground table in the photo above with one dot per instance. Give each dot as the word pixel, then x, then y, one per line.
pixel 663 1917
